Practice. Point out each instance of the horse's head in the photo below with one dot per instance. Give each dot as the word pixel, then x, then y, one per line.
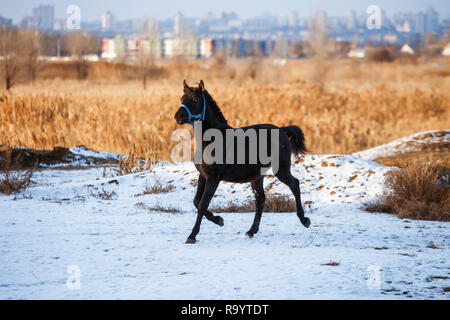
pixel 193 104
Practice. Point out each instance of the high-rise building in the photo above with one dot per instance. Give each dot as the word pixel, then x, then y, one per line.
pixel 107 21
pixel 427 22
pixel 26 22
pixel 5 22
pixel 321 19
pixel 178 27
pixel 293 19
pixel 431 21
pixel 149 27
pixel 351 20
pixel 43 17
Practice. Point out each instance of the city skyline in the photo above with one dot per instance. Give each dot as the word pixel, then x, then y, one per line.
pixel 407 27
pixel 93 11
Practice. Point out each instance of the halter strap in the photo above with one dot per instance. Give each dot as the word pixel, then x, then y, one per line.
pixel 192 117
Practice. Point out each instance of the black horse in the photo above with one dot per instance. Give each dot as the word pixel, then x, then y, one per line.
pixel 198 105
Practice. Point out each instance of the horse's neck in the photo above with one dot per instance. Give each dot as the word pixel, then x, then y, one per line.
pixel 214 124
pixel 214 118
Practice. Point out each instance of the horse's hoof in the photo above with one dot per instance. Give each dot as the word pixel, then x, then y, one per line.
pixel 249 234
pixel 306 222
pixel 220 221
pixel 191 241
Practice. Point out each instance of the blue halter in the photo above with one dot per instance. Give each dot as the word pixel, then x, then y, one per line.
pixel 192 117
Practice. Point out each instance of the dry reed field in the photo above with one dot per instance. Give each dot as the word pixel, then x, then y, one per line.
pixel 419 191
pixel 343 106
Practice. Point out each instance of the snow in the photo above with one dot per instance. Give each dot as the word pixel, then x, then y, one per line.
pixel 407 49
pixel 407 144
pixel 88 153
pixel 125 247
pixel 83 157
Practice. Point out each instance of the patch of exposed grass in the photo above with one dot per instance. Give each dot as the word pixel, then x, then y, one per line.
pixel 419 191
pixel 156 188
pixel 134 162
pixel 230 207
pixel 431 245
pixel 105 195
pixel 279 203
pixel 331 264
pixel 13 177
pixel 157 208
pixel 441 158
pixel 274 203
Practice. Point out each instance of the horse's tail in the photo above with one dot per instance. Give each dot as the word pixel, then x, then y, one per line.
pixel 297 140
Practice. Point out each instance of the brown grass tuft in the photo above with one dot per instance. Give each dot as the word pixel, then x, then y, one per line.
pixel 420 191
pixel 157 208
pixel 274 203
pixel 13 177
pixel 105 195
pixel 280 203
pixel 440 158
pixel 332 264
pixel 158 188
pixel 135 162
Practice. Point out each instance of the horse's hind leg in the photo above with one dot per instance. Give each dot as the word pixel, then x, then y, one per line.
pixel 258 190
pixel 285 176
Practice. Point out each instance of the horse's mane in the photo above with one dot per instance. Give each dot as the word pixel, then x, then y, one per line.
pixel 215 108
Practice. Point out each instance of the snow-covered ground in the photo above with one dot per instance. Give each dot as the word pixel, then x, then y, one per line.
pixel 60 233
pixel 435 140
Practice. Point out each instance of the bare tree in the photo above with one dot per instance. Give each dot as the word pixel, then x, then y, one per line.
pixel 146 55
pixel 9 56
pixel 79 45
pixel 145 62
pixel 50 42
pixel 430 47
pixel 319 36
pixel 281 47
pixel 30 51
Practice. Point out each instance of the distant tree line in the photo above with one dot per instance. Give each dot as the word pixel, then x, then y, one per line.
pixel 21 52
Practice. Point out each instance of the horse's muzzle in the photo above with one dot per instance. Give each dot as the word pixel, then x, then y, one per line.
pixel 181 116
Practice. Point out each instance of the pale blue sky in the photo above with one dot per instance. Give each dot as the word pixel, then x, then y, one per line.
pixel 124 9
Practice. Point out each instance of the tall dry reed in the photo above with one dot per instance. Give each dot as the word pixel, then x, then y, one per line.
pixel 357 110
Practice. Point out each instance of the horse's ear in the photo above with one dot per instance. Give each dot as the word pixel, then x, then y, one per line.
pixel 185 85
pixel 201 85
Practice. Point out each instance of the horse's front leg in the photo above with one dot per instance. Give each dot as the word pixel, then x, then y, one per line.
pixel 211 185
pixel 198 196
pixel 200 188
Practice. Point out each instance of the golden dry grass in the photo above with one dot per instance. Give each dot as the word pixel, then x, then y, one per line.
pixel 273 203
pixel 354 106
pixel 419 191
pixel 440 158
